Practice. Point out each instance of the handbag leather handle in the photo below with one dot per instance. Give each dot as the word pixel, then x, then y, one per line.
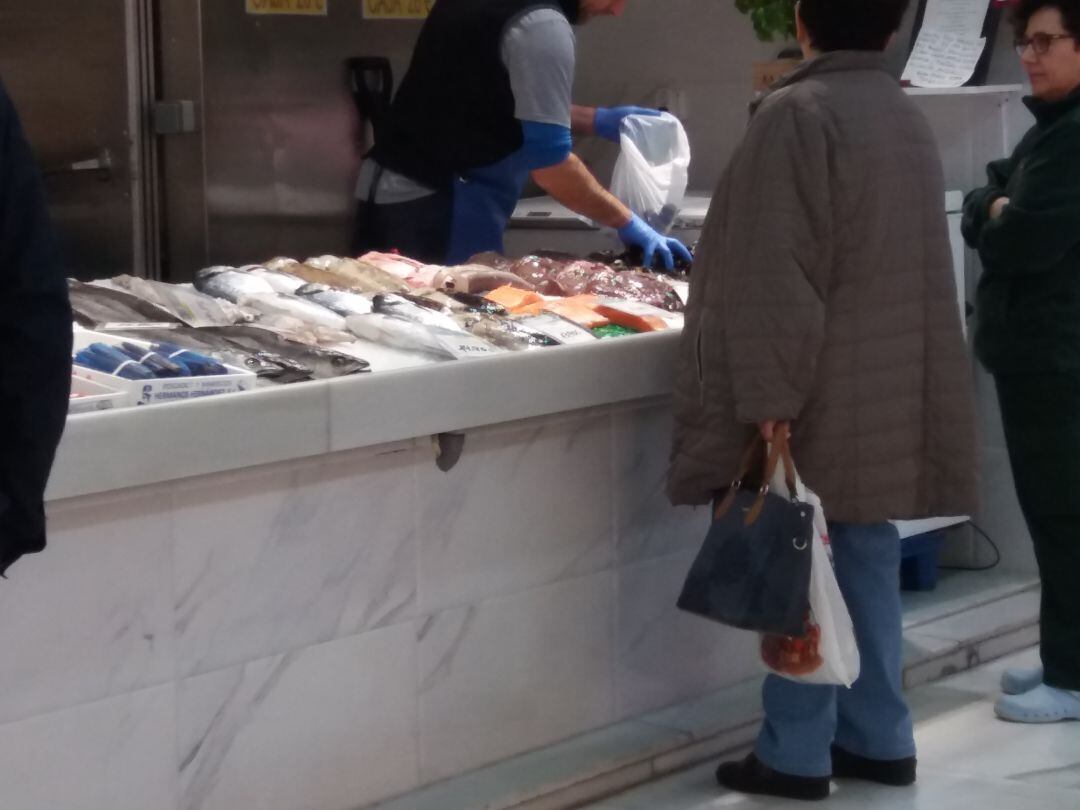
pixel 779 451
pixel 745 463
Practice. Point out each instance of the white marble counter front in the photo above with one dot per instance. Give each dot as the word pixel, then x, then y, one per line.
pixel 114 450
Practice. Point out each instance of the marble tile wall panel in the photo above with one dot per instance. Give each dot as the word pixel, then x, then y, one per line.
pixel 665 656
pixel 332 727
pixel 523 507
pixel 513 674
pixel 91 616
pixel 292 556
pixel 646 524
pixel 113 754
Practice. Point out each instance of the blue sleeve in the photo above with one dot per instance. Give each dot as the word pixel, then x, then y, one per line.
pixel 545 145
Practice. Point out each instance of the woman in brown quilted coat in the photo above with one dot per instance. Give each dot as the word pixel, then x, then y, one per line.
pixel 824 300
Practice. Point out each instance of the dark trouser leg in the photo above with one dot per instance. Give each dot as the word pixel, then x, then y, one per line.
pixel 1041 414
pixel 418 229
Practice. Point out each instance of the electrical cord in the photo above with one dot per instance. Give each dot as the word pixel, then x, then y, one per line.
pixel 993 545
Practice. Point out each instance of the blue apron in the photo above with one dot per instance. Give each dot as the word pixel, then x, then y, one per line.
pixel 484 202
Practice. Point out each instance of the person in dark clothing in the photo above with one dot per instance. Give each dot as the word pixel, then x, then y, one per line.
pixel 1025 223
pixel 35 343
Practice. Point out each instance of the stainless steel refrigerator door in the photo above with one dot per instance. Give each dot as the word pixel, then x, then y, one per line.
pixel 79 75
pixel 273 167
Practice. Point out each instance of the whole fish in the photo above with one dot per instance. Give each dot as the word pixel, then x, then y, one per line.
pixel 401 307
pixel 504 332
pixel 316 275
pixel 186 303
pixel 399 333
pixel 325 364
pixel 456 302
pixel 395 265
pixel 305 310
pixel 280 281
pixel 339 301
pixel 94 306
pixel 361 276
pixel 416 274
pixel 230 284
pixel 262 364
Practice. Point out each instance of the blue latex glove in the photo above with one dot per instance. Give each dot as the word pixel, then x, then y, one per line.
pixel 609 119
pixel 637 232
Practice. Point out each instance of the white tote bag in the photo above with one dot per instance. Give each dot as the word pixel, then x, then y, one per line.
pixel 829 653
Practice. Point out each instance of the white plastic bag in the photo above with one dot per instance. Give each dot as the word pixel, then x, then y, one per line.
pixel 653 168
pixel 829 654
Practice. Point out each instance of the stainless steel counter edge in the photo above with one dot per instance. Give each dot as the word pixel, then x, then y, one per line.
pixel 114 450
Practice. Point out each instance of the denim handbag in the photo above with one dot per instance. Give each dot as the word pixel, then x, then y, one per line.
pixel 753 571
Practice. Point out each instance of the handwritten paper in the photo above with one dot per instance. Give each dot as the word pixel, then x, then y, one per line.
pixel 943 60
pixel 949 45
pixel 964 18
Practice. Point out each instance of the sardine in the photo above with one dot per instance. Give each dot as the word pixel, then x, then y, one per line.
pixel 230 284
pixel 401 307
pixel 308 311
pixel 325 364
pixel 339 301
pixel 504 332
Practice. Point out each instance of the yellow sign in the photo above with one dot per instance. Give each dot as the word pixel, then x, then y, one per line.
pixel 397 9
pixel 313 8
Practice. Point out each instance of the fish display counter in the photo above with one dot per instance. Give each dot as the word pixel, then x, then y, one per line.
pixel 346 588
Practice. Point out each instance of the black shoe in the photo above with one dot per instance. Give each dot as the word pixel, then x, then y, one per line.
pixel 753 776
pixel 892 772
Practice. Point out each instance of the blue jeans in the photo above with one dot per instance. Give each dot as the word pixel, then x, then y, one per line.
pixel 871 719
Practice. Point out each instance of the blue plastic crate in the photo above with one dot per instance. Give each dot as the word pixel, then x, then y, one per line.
pixel 919 566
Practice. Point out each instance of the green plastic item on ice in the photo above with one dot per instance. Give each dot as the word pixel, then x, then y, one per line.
pixel 613 330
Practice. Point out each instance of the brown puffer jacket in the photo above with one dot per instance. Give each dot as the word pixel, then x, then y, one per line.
pixel 823 293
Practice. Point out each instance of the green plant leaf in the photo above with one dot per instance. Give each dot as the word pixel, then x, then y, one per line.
pixel 771 19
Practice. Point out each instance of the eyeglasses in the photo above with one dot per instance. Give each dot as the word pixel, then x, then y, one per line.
pixel 1040 43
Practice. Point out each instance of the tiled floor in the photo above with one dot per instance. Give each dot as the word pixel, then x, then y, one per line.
pixel 968 760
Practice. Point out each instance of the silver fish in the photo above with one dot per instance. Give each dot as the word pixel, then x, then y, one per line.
pixel 339 301
pixel 281 264
pixel 399 333
pixel 325 364
pixel 230 284
pixel 503 332
pixel 188 305
pixel 281 281
pixel 400 307
pixel 94 306
pixel 309 311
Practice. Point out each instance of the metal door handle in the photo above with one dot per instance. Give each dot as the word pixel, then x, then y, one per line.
pixel 102 164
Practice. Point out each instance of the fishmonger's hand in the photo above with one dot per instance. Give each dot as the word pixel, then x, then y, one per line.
pixel 637 233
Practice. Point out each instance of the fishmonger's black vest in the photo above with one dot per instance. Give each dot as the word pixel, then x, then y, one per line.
pixel 454 110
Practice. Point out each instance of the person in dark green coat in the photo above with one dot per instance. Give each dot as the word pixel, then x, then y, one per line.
pixel 1025 225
